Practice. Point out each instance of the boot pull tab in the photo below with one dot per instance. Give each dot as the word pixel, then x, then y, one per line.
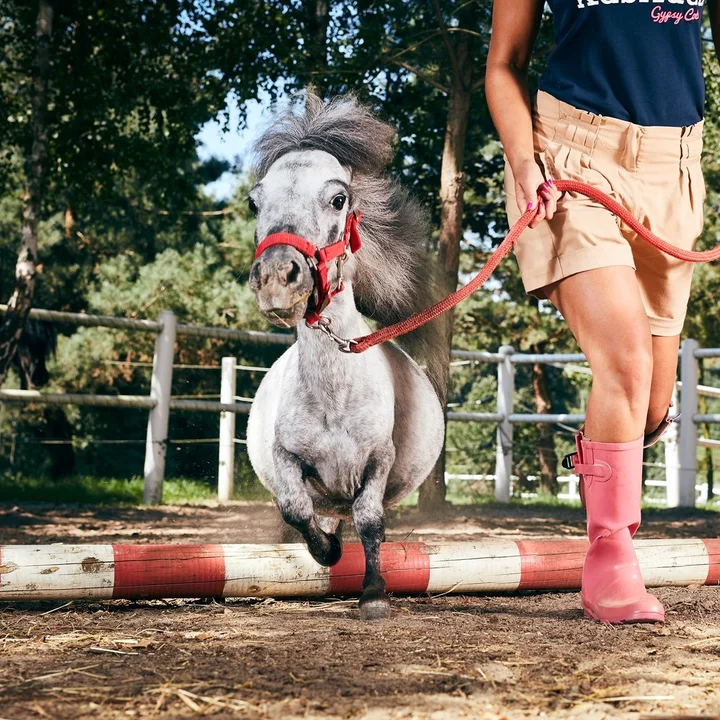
pixel 599 470
pixel 568 462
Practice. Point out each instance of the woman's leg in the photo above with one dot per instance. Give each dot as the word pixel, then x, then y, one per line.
pixel 665 361
pixel 629 365
pixel 605 313
pixel 604 310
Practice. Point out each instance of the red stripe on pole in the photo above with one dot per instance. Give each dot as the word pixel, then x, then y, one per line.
pixel 551 564
pixel 405 568
pixel 158 571
pixel 713 549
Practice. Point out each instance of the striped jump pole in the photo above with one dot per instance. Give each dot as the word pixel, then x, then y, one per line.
pixel 65 572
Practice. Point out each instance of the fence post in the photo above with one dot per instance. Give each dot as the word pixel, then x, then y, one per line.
pixel 672 458
pixel 226 464
pixel 688 428
pixel 505 398
pixel 160 391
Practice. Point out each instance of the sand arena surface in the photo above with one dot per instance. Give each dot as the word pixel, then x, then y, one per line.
pixel 437 657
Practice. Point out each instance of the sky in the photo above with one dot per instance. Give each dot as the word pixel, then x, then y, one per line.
pixel 233 144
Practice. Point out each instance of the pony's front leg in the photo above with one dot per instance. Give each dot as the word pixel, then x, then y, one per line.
pixel 369 517
pixel 296 508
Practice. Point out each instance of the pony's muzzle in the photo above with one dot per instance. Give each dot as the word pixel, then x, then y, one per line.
pixel 282 283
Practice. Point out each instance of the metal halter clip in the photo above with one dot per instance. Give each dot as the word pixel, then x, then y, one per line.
pixel 323 325
pixel 340 264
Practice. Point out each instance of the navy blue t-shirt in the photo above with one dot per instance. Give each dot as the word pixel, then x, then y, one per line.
pixel 634 60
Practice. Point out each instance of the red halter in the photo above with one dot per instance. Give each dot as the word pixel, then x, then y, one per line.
pixel 319 259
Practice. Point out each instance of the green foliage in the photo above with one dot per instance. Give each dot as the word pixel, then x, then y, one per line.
pixel 196 285
pixel 130 89
pixel 107 491
pixel 126 229
pixel 201 286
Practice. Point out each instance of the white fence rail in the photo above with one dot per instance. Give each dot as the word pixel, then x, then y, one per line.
pixel 573 490
pixel 681 453
pixel 160 401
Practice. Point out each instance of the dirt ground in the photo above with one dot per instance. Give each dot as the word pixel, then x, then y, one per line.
pixel 529 655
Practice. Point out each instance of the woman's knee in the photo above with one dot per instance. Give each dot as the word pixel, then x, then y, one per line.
pixel 626 369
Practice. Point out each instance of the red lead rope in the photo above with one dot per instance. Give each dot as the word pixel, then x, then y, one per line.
pixel 367 341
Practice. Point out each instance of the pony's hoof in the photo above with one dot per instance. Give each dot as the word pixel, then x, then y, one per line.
pixel 330 555
pixel 334 553
pixel 375 608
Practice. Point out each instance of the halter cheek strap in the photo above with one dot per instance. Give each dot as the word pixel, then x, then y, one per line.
pixel 319 258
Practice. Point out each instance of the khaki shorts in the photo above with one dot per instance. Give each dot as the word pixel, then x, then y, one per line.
pixel 653 171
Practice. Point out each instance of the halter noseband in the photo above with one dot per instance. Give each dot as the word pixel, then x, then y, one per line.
pixel 319 258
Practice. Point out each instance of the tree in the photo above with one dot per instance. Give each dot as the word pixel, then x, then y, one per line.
pixel 421 64
pixel 114 101
pixel 124 228
pixel 26 267
pixel 203 285
pixel 439 57
pixel 460 74
pixel 124 88
pixel 703 321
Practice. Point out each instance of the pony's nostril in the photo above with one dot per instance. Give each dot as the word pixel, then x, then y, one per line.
pixel 255 278
pixel 289 273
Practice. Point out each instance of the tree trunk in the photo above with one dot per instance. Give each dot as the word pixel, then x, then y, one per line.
pixel 452 204
pixel 21 300
pixel 69 221
pixel 317 22
pixel 709 471
pixel 548 484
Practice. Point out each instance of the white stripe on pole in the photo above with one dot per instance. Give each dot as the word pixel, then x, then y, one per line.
pixel 226 463
pixel 496 562
pixel 273 571
pixel 57 572
pixel 673 562
pixel 160 391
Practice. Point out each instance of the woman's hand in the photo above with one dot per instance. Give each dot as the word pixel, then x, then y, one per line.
pixel 529 183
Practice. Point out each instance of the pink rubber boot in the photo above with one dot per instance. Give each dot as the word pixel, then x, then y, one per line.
pixel 613 590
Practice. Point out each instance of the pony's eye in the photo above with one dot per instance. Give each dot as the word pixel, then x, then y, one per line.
pixel 338 202
pixel 252 206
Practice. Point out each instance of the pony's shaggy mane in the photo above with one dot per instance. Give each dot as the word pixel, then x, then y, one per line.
pixel 396 274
